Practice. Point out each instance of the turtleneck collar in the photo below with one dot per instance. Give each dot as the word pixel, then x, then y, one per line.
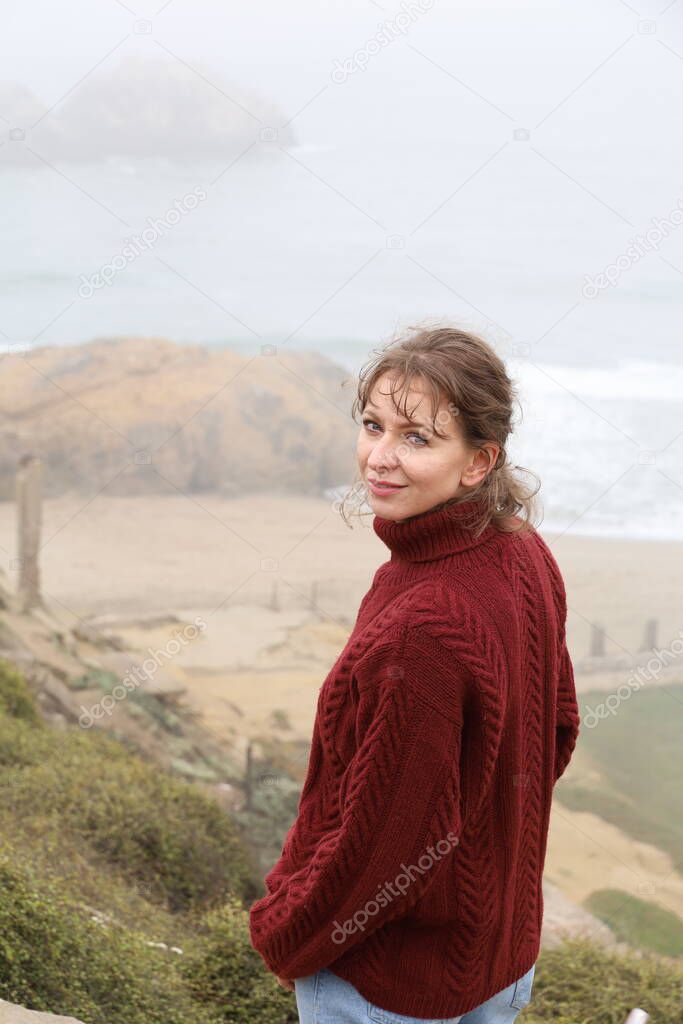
pixel 434 533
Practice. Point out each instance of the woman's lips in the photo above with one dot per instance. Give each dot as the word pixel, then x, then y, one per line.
pixel 384 489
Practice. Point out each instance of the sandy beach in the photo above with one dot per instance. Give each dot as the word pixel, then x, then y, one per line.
pixel 282 577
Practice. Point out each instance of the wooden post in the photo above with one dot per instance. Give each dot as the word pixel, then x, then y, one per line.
pixel 29 522
pixel 597 649
pixel 274 602
pixel 649 635
pixel 249 779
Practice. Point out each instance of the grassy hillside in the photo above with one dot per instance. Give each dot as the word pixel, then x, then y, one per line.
pixel 131 883
pixel 639 922
pixel 639 755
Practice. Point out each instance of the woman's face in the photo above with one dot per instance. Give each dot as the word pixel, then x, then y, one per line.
pixel 426 468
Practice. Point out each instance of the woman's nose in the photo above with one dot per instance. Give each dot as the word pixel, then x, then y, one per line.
pixel 383 453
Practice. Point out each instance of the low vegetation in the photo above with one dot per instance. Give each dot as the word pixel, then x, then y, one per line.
pixel 580 983
pixel 130 884
pixel 639 922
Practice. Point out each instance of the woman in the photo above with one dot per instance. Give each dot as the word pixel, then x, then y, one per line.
pixel 409 886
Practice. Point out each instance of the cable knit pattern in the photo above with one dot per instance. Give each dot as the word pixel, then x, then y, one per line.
pixel 414 867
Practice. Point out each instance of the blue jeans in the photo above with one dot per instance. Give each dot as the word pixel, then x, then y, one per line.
pixel 324 998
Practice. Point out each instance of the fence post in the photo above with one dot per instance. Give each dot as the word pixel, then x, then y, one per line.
pixel 249 779
pixel 649 635
pixel 29 522
pixel 597 648
pixel 274 602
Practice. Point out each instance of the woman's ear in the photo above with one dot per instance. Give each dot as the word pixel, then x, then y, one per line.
pixel 481 465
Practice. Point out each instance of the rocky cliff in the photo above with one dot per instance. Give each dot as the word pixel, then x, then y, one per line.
pixel 141 416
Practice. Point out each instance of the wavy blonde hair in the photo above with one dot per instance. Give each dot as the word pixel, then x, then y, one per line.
pixel 465 369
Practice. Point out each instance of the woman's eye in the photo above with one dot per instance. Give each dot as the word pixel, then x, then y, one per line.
pixel 373 423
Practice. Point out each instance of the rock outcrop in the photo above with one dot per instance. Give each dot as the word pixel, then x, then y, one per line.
pixel 144 416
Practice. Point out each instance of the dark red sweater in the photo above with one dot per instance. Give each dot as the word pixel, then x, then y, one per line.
pixel 413 869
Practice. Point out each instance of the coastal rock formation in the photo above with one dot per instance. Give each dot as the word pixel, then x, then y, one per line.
pixel 148 416
pixel 139 107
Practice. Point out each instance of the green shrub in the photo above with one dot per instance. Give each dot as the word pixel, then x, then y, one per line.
pixel 275 794
pixel 15 697
pixel 90 824
pixel 579 982
pixel 163 832
pixel 55 958
pixel 22 743
pixel 275 799
pixel 223 971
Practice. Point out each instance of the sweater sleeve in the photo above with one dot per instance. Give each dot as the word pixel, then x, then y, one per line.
pixel 398 817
